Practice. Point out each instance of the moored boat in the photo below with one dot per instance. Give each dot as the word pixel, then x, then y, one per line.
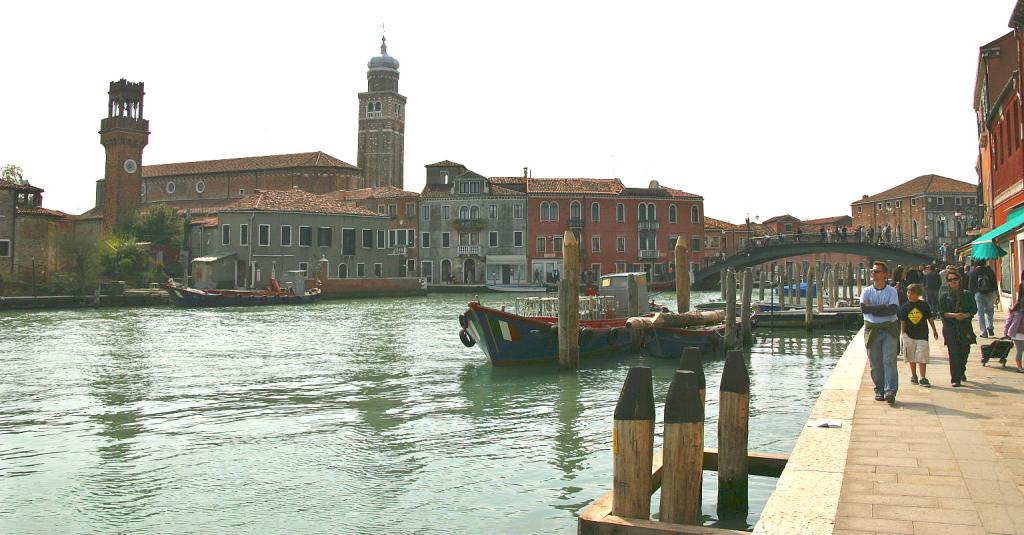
pixel 274 294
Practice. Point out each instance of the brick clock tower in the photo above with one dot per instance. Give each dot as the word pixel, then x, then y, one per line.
pixel 381 153
pixel 124 133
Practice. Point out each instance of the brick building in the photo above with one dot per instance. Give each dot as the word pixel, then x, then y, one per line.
pixel 401 207
pixel 927 211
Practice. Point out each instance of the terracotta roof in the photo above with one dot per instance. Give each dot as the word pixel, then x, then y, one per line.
pixel 784 217
pixel 717 224
pixel 499 190
pixel 470 174
pixel 919 186
pixel 834 220
pixel 386 192
pixel 39 210
pixel 599 186
pixel 4 184
pixel 92 213
pixel 195 206
pixel 251 163
pixel 295 200
pixel 661 191
pixel 445 163
pixel 433 191
pixel 209 221
pixel 507 180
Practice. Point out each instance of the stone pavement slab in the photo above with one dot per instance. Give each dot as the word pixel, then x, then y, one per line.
pixel 956 453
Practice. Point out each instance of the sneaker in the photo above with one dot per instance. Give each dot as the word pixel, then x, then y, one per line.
pixel 1020 370
pixel 890 397
pixel 955 383
pixel 913 379
pixel 991 332
pixel 925 383
pixel 878 397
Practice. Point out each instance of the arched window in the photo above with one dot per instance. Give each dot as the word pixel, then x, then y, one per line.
pixel 474 212
pixel 545 214
pixel 554 211
pixel 595 212
pixel 620 212
pixel 369 109
pixel 376 107
pixel 652 214
pixel 464 212
pixel 694 214
pixel 672 214
pixel 641 212
pixel 575 210
pixel 342 271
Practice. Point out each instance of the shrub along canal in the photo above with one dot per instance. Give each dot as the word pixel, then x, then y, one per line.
pixel 362 416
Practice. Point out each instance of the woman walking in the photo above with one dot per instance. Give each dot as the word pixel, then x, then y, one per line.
pixel 1014 328
pixel 957 307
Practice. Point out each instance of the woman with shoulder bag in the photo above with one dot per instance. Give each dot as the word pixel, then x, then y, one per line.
pixel 957 307
pixel 1014 328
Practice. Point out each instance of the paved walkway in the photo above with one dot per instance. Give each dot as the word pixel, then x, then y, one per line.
pixel 942 459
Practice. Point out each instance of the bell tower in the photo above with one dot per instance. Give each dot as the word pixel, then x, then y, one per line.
pixel 381 152
pixel 124 133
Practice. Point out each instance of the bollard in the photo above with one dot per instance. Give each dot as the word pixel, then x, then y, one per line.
pixel 682 259
pixel 569 304
pixel 633 446
pixel 691 361
pixel 809 300
pixel 730 309
pixel 683 458
pixel 733 425
pixel 745 322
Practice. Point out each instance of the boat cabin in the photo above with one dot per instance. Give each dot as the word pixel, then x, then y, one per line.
pixel 617 285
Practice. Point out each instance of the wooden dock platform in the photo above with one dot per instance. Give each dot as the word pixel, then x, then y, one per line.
pixel 941 460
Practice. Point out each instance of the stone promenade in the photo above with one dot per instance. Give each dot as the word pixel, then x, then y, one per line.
pixel 942 459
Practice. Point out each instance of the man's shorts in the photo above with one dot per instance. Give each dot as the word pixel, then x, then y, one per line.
pixel 914 350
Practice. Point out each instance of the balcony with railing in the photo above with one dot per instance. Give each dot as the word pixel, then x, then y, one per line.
pixel 575 222
pixel 399 250
pixel 649 253
pixel 468 224
pixel 648 225
pixel 469 250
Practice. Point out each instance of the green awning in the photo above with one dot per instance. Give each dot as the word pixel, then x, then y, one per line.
pixel 986 251
pixel 1015 220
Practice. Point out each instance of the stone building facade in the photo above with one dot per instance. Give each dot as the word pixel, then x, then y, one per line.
pixel 472 229
pixel 272 231
pixel 927 211
pixel 401 208
pixel 381 152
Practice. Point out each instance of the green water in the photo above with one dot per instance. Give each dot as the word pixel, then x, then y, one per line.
pixel 364 416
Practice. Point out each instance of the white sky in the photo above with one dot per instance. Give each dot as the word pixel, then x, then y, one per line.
pixel 761 107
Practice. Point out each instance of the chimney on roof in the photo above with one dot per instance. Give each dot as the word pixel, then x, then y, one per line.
pixel 863 196
pixel 525 172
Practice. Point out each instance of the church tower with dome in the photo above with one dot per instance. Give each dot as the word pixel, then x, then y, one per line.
pixel 381 152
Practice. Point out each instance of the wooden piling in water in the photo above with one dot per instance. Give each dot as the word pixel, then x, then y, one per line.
pixel 860 283
pixel 760 285
pixel 633 446
pixel 721 276
pixel 683 453
pixel 849 282
pixel 691 361
pixel 569 303
pixel 745 321
pixel 730 309
pixel 819 290
pixel 682 259
pixel 633 308
pixel 809 300
pixel 733 428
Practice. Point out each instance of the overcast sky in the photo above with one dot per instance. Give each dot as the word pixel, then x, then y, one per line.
pixel 760 107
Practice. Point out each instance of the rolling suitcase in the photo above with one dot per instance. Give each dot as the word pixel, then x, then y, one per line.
pixel 999 349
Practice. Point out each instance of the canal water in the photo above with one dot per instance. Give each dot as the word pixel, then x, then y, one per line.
pixel 364 416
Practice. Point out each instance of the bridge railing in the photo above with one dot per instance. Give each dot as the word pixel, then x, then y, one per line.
pixel 781 240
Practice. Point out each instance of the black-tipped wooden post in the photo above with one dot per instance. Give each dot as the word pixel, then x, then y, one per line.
pixel 691 361
pixel 682 259
pixel 745 322
pixel 569 304
pixel 733 425
pixel 633 446
pixel 683 457
pixel 809 301
pixel 730 309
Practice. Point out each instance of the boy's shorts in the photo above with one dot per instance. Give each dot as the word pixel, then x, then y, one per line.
pixel 914 350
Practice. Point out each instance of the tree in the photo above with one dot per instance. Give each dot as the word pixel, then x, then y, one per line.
pixel 123 259
pixel 160 225
pixel 80 257
pixel 13 173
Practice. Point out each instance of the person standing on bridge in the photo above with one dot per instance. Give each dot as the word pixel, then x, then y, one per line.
pixel 880 305
pixel 871 234
pixel 932 283
pixel 823 233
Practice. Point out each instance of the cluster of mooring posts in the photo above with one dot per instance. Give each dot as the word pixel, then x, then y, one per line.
pixel 638 471
pixel 831 296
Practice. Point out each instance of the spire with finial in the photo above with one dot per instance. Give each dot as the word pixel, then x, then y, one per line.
pixel 383 45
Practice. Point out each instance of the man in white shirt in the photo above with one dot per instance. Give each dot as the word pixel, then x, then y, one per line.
pixel 880 304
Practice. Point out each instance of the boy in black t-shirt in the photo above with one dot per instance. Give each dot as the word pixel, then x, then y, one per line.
pixel 913 314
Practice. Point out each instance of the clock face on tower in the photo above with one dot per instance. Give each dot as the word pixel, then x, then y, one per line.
pixel 130 166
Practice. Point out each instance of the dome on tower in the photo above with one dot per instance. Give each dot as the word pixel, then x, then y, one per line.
pixel 383 61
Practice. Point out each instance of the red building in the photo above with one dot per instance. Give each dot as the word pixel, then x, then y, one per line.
pixel 619 228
